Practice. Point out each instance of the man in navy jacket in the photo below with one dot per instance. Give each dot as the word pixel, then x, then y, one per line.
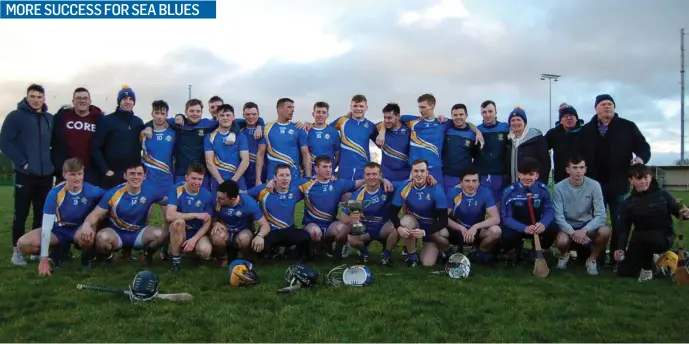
pixel 25 139
pixel 116 143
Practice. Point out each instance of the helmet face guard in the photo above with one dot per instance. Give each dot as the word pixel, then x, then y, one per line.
pixel 458 266
pixel 357 275
pixel 144 287
pixel 241 273
pixel 301 274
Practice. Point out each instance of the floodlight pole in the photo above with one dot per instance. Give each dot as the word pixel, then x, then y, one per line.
pixel 551 78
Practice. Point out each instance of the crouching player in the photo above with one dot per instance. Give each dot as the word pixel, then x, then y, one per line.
pixel 425 209
pixel 127 207
pixel 278 203
pixel 375 216
pixel 650 209
pixel 65 209
pixel 189 210
pixel 514 211
pixel 234 215
pixel 580 215
pixel 469 203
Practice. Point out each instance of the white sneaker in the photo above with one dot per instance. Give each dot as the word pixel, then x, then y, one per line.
pixel 346 249
pixel 592 267
pixel 34 258
pixel 18 259
pixel 645 276
pixel 562 262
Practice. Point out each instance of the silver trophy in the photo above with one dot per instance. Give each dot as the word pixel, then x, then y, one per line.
pixel 230 139
pixel 357 206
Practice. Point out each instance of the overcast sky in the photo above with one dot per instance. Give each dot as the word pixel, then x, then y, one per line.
pixel 389 50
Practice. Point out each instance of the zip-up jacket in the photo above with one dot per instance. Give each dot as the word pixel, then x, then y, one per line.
pixel 651 210
pixel 116 142
pixel 563 144
pixel 491 159
pixel 25 138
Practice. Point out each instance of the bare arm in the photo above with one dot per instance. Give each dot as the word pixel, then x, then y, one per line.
pixel 95 216
pixel 306 160
pixel 243 165
pixel 264 228
pixel 260 156
pixel 212 169
pixel 174 215
pixel 203 230
pixel 454 225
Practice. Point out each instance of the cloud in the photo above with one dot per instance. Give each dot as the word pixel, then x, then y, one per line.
pixel 462 52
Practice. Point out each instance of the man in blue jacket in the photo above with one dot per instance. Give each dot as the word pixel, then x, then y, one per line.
pixel 25 139
pixel 116 143
pixel 514 211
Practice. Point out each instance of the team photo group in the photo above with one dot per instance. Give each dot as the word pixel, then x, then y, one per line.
pixel 229 187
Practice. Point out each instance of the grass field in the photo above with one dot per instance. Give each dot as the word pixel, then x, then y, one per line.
pixel 402 305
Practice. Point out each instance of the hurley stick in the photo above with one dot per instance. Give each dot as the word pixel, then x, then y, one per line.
pixel 540 268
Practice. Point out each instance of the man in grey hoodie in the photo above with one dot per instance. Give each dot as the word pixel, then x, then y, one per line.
pixel 580 214
pixel 25 138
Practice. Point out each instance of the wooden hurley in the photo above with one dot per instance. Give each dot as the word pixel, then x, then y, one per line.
pixel 540 268
pixel 681 274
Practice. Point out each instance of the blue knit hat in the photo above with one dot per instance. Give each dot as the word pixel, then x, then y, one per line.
pixel 126 91
pixel 519 112
pixel 568 110
pixel 604 97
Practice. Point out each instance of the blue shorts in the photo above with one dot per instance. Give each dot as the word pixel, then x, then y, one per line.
pixel 160 191
pixel 350 173
pixel 437 173
pixel 130 239
pixel 496 184
pixel 450 182
pixel 204 184
pixel 396 176
pixel 426 227
pixel 64 235
pixel 374 233
pixel 190 233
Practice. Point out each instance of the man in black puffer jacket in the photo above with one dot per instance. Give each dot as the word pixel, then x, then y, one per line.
pixel 562 140
pixel 650 209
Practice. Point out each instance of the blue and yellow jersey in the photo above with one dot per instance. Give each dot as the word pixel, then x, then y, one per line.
pixel 127 211
pixel 71 209
pixel 426 139
pixel 283 146
pixel 240 216
pixel 188 203
pixel 277 207
pixel 321 199
pixel 468 210
pixel 377 211
pixel 420 202
pixel 355 136
pixel 395 160
pixel 252 143
pixel 323 141
pixel 157 153
pixel 227 157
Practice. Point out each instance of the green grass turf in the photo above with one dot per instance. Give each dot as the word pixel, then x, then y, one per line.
pixel 402 305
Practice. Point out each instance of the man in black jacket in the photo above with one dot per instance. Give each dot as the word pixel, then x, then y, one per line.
pixel 607 143
pixel 25 139
pixel 116 143
pixel 650 209
pixel 562 139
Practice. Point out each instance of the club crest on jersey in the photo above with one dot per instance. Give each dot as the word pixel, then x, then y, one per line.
pixel 290 196
pixel 467 143
pixel 168 138
pixel 327 136
pixel 428 197
pixel 198 203
pixel 366 125
pixel 143 200
pixel 536 203
pixel 200 132
pixel 239 213
pixel 403 130
pixel 291 131
pixel 501 137
pixel 384 197
pixel 84 200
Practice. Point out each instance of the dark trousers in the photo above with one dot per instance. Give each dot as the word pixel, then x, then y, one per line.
pixel 290 237
pixel 28 191
pixel 639 254
pixel 512 240
pixel 614 203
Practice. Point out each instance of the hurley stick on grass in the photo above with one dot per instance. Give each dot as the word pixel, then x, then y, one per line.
pixel 540 268
pixel 681 274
